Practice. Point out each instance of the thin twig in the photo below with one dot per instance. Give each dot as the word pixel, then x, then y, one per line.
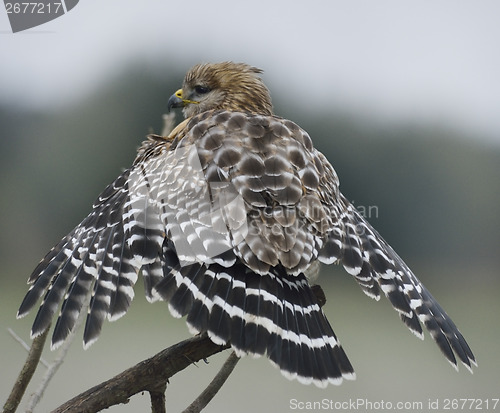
pixel 25 346
pixel 26 373
pixel 168 123
pixel 215 385
pixel 58 361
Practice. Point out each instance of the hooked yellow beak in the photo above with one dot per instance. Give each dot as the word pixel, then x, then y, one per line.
pixel 177 101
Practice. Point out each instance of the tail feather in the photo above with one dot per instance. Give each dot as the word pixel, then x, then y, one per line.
pixel 274 314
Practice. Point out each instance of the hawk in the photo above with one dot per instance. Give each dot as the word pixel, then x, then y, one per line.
pixel 227 218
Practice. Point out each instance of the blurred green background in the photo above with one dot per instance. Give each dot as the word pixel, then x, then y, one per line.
pixel 434 189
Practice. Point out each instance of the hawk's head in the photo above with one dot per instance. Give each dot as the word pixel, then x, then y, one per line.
pixel 227 85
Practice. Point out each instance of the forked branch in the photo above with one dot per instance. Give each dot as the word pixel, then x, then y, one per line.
pixel 144 376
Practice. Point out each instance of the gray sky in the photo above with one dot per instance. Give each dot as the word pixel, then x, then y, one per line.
pixel 437 61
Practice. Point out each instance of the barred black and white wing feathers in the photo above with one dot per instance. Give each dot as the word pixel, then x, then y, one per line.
pixel 376 266
pixel 100 258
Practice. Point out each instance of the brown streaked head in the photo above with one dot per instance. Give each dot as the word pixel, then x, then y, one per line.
pixel 227 85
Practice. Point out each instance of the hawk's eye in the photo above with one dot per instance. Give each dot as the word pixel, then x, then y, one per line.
pixel 201 90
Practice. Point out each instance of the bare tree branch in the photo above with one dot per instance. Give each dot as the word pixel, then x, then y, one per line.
pixel 208 394
pixel 144 376
pixel 158 398
pixel 26 373
pixel 58 361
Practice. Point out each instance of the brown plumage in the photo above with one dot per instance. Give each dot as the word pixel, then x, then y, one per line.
pixel 227 218
pixel 231 86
